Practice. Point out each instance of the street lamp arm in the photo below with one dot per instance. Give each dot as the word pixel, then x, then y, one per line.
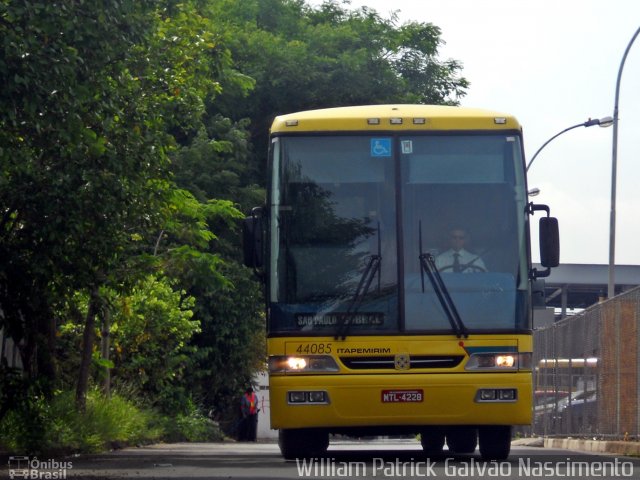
pixel 549 141
pixel 603 122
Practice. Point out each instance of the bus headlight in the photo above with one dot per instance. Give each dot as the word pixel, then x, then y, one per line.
pixel 507 361
pixel 302 364
pixel 296 363
pixel 500 361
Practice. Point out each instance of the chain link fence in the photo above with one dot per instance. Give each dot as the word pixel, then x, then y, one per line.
pixel 587 372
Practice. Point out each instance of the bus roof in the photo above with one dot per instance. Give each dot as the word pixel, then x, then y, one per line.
pixel 393 117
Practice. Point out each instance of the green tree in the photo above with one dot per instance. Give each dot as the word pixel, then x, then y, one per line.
pixel 77 155
pixel 94 97
pixel 229 347
pixel 305 57
pixel 151 329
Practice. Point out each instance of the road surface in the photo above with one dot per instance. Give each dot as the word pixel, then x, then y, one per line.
pixel 380 459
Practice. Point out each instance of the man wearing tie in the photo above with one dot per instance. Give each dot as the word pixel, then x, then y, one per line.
pixel 457 259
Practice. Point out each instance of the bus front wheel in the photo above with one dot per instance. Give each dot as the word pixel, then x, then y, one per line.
pixel 302 443
pixel 495 442
pixel 462 439
pixel 432 441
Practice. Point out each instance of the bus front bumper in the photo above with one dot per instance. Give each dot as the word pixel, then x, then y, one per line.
pixel 399 400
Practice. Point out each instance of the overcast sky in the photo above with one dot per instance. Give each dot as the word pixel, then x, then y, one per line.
pixel 554 64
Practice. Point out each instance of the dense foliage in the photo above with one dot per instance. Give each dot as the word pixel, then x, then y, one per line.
pixel 132 138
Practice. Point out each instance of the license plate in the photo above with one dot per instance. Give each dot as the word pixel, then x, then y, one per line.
pixel 402 396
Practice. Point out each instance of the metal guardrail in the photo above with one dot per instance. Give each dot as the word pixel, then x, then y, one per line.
pixel 587 372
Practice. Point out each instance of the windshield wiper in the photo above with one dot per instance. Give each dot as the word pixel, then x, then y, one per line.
pixel 370 271
pixel 428 265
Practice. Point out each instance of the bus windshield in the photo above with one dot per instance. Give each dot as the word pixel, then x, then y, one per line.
pixel 353 219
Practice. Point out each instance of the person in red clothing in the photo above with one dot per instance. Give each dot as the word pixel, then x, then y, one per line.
pixel 249 410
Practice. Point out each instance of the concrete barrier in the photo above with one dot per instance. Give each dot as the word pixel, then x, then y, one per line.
pixel 595 446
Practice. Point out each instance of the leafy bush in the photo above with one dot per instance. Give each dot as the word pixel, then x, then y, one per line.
pixel 22 411
pixel 58 427
pixel 192 427
pixel 150 334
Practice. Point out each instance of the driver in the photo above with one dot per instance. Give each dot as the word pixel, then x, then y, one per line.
pixel 457 259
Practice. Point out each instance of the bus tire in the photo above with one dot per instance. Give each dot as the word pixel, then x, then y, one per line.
pixel 432 441
pixel 495 442
pixel 302 443
pixel 462 439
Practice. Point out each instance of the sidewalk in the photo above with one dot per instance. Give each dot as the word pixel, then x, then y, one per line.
pixel 615 447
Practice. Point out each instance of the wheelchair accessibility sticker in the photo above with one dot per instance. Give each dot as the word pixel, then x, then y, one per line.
pixel 380 147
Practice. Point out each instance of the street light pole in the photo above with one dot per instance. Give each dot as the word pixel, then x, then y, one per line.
pixel 614 167
pixel 603 122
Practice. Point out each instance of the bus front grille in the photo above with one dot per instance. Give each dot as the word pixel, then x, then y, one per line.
pixel 388 362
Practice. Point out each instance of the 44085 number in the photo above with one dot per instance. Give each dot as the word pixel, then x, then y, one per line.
pixel 314 348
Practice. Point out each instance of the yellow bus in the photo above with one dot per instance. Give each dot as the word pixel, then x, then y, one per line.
pixel 372 329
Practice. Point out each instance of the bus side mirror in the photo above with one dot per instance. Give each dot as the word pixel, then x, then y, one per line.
pixel 252 240
pixel 549 242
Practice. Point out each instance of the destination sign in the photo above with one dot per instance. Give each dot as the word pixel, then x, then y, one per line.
pixel 337 318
